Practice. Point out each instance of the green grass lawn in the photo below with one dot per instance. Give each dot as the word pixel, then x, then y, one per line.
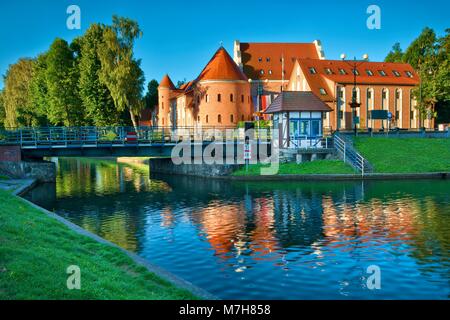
pixel 313 167
pixel 406 155
pixel 35 251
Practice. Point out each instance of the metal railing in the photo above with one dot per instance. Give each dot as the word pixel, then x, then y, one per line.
pixel 349 155
pixel 119 136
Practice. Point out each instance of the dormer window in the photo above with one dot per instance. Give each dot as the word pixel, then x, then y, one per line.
pixel 396 73
pixel 323 91
pixel 409 74
pixel 369 73
pixel 382 73
pixel 355 72
pixel 328 71
pixel 261 72
pixel 342 72
pixel 312 70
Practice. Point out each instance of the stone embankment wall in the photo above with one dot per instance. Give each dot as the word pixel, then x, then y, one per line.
pixel 166 166
pixel 11 164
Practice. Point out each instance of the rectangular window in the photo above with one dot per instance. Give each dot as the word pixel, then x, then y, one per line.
pixel 207 98
pixel 242 98
pixel 219 97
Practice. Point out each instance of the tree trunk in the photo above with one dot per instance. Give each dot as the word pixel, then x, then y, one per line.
pixel 133 120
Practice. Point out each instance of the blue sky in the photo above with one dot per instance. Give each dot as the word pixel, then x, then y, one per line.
pixel 181 36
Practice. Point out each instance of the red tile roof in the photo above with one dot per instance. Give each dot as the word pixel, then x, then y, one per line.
pixel 166 82
pixel 267 57
pixel 221 67
pixel 362 78
pixel 297 101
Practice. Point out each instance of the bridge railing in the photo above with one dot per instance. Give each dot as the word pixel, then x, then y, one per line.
pixel 104 136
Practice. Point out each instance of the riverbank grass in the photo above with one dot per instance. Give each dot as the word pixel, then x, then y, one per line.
pixel 406 155
pixel 305 168
pixel 36 250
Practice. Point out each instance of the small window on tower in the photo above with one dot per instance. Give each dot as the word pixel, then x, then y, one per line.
pixel 231 98
pixel 219 97
pixel 232 118
pixel 219 118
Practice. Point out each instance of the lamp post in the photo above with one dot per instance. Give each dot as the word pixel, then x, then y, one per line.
pixel 354 104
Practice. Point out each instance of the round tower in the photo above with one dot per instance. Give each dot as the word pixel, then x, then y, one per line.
pixel 164 92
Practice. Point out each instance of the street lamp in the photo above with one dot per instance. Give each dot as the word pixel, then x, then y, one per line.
pixel 354 104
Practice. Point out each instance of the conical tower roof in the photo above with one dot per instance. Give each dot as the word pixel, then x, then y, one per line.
pixel 166 82
pixel 221 67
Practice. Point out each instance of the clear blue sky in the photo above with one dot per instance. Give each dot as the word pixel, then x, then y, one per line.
pixel 181 36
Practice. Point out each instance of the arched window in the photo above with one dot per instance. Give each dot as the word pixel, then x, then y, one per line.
pixel 219 118
pixel 219 97
pixel 232 118
pixel 231 97
pixel 385 99
pixel 398 107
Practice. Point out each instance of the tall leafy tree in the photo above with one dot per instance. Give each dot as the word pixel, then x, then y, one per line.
pixel 16 95
pixel 62 78
pixel 395 55
pixel 39 91
pixel 120 71
pixel 151 98
pixel 2 110
pixel 95 95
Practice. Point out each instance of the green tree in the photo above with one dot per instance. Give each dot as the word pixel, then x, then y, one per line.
pixel 39 91
pixel 95 95
pixel 151 98
pixel 16 94
pixel 120 72
pixel 422 55
pixel 395 55
pixel 2 110
pixel 62 78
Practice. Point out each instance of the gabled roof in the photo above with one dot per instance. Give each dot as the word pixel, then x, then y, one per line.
pixel 363 77
pixel 267 57
pixel 297 101
pixel 166 82
pixel 221 67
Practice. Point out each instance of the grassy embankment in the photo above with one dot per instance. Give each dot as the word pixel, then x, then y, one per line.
pixel 35 251
pixel 406 155
pixel 314 167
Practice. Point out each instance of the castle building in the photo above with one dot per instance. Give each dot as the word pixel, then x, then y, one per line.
pixel 218 97
pixel 230 90
pixel 379 86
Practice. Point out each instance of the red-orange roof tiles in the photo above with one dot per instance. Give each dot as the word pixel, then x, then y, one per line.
pixel 264 60
pixel 166 82
pixel 221 67
pixel 367 72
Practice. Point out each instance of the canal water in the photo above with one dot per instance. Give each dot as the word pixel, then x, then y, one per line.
pixel 286 240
